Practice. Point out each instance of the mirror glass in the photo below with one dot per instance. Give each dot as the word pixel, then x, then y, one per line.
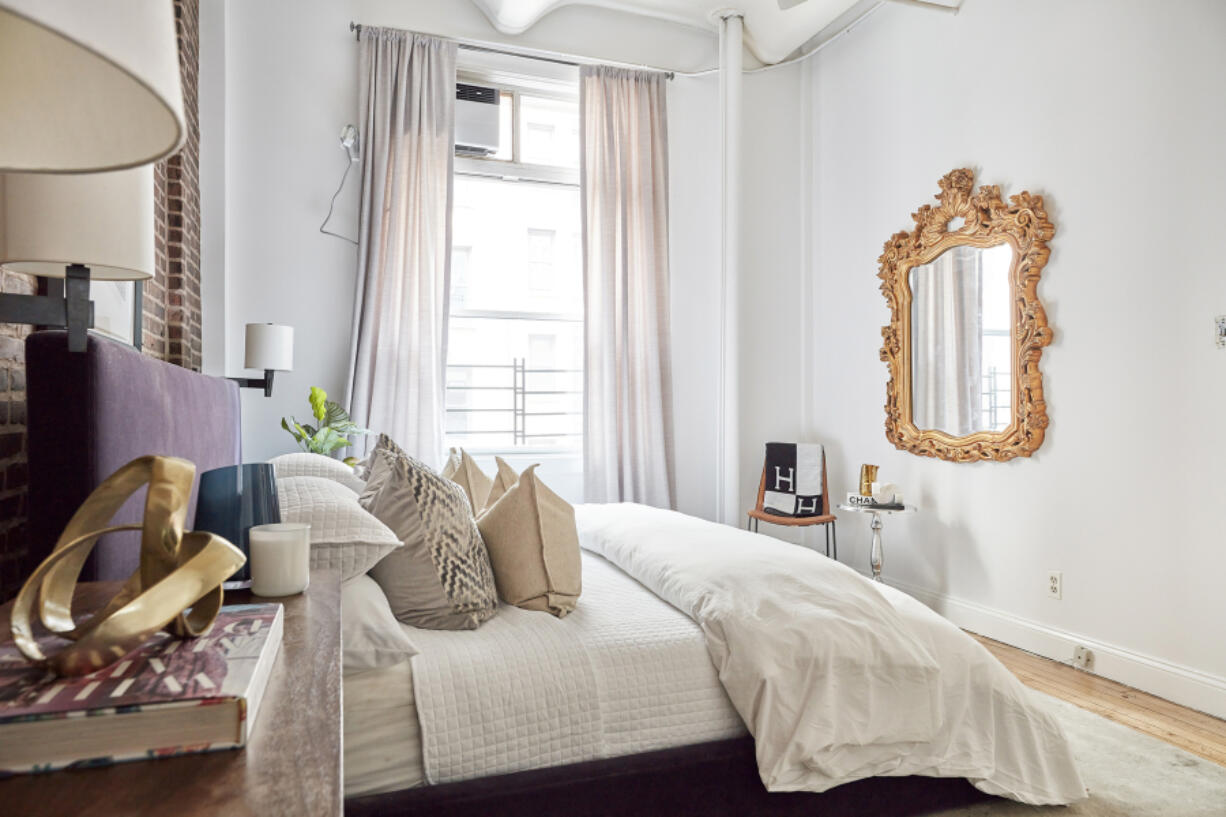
pixel 961 354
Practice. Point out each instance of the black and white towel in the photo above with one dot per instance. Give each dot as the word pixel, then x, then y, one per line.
pixel 793 479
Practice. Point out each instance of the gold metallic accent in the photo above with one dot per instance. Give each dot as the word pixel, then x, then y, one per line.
pixel 868 475
pixel 177 586
pixel 986 221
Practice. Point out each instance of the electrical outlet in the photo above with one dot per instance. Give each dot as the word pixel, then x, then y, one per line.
pixel 1219 331
pixel 1083 658
pixel 1055 584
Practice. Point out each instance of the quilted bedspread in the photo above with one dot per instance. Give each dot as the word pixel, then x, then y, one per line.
pixel 624 673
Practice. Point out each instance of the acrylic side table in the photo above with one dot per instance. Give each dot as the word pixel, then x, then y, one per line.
pixel 876 555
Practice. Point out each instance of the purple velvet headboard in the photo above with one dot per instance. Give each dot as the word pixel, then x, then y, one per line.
pixel 91 413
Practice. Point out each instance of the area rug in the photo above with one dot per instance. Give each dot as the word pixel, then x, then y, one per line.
pixel 1128 774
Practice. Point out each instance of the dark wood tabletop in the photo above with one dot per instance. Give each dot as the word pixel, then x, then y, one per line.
pixel 291 765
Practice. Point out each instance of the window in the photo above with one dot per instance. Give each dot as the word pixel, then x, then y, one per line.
pixel 996 345
pixel 540 260
pixel 515 344
pixel 459 275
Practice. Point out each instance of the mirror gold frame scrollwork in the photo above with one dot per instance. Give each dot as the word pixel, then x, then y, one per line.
pixel 986 221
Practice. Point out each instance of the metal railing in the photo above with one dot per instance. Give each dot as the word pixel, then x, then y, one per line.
pixel 520 394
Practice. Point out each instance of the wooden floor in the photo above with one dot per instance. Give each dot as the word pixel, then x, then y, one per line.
pixel 1188 729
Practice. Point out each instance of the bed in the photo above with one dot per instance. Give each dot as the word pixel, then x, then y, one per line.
pixel 651 727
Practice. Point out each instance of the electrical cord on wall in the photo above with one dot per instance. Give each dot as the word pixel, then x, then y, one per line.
pixel 331 204
pixel 349 142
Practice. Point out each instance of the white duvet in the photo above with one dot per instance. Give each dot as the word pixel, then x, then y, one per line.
pixel 838 678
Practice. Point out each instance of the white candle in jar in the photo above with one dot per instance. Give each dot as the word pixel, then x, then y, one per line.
pixel 280 558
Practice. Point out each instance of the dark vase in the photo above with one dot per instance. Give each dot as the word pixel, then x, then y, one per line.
pixel 232 500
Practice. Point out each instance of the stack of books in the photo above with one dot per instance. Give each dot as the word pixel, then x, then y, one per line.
pixel 860 500
pixel 169 697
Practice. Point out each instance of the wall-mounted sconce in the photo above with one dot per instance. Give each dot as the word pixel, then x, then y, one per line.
pixel 269 347
pixel 70 229
pixel 82 99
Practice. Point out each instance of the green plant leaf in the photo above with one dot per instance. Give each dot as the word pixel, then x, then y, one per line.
pixel 319 399
pixel 302 436
pixel 335 425
pixel 350 461
pixel 335 415
pixel 326 440
pixel 294 432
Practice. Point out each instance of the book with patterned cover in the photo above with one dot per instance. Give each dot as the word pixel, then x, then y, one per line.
pixel 168 697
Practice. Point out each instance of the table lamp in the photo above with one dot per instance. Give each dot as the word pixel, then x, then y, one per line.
pixel 71 229
pixel 85 88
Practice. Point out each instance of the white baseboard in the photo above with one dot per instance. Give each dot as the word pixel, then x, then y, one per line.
pixel 1183 685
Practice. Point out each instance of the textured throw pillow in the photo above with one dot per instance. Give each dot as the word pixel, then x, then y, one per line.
pixel 534 547
pixel 344 536
pixel 463 471
pixel 302 464
pixel 503 480
pixel 371 635
pixel 441 578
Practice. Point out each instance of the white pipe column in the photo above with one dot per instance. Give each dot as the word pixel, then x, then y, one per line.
pixel 730 83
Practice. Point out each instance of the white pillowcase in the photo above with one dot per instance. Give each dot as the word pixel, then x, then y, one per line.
pixel 303 464
pixel 371 635
pixel 344 535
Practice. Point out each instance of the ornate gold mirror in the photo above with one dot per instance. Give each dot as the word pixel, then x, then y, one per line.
pixel 966 327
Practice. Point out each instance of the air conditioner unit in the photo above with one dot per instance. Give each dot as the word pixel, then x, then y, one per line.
pixel 476 120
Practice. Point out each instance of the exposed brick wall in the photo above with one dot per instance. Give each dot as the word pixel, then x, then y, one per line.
pixel 153 310
pixel 183 325
pixel 170 312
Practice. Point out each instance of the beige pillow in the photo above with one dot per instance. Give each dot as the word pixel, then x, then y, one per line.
pixel 534 547
pixel 441 578
pixel 463 471
pixel 503 480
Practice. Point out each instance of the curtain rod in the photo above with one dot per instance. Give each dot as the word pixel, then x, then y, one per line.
pixel 541 56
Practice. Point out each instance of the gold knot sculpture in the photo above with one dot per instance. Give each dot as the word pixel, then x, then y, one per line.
pixel 177 571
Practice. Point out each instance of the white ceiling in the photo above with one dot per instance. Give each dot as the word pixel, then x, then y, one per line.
pixel 771 32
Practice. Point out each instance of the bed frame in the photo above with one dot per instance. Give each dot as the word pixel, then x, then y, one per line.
pixel 91 413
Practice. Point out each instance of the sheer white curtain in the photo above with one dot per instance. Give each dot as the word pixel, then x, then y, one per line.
pixel 628 445
pixel 407 102
pixel 945 342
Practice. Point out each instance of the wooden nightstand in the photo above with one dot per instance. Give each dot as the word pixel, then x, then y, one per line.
pixel 291 766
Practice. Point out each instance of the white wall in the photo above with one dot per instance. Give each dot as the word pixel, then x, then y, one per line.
pixel 694 264
pixel 290 80
pixel 277 94
pixel 212 101
pixel 772 356
pixel 1115 115
pixel 770 296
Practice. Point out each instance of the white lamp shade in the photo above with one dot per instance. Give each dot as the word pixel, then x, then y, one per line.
pixel 102 220
pixel 88 86
pixel 270 346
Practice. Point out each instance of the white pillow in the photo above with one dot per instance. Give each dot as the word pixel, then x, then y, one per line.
pixel 302 464
pixel 344 535
pixel 371 635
